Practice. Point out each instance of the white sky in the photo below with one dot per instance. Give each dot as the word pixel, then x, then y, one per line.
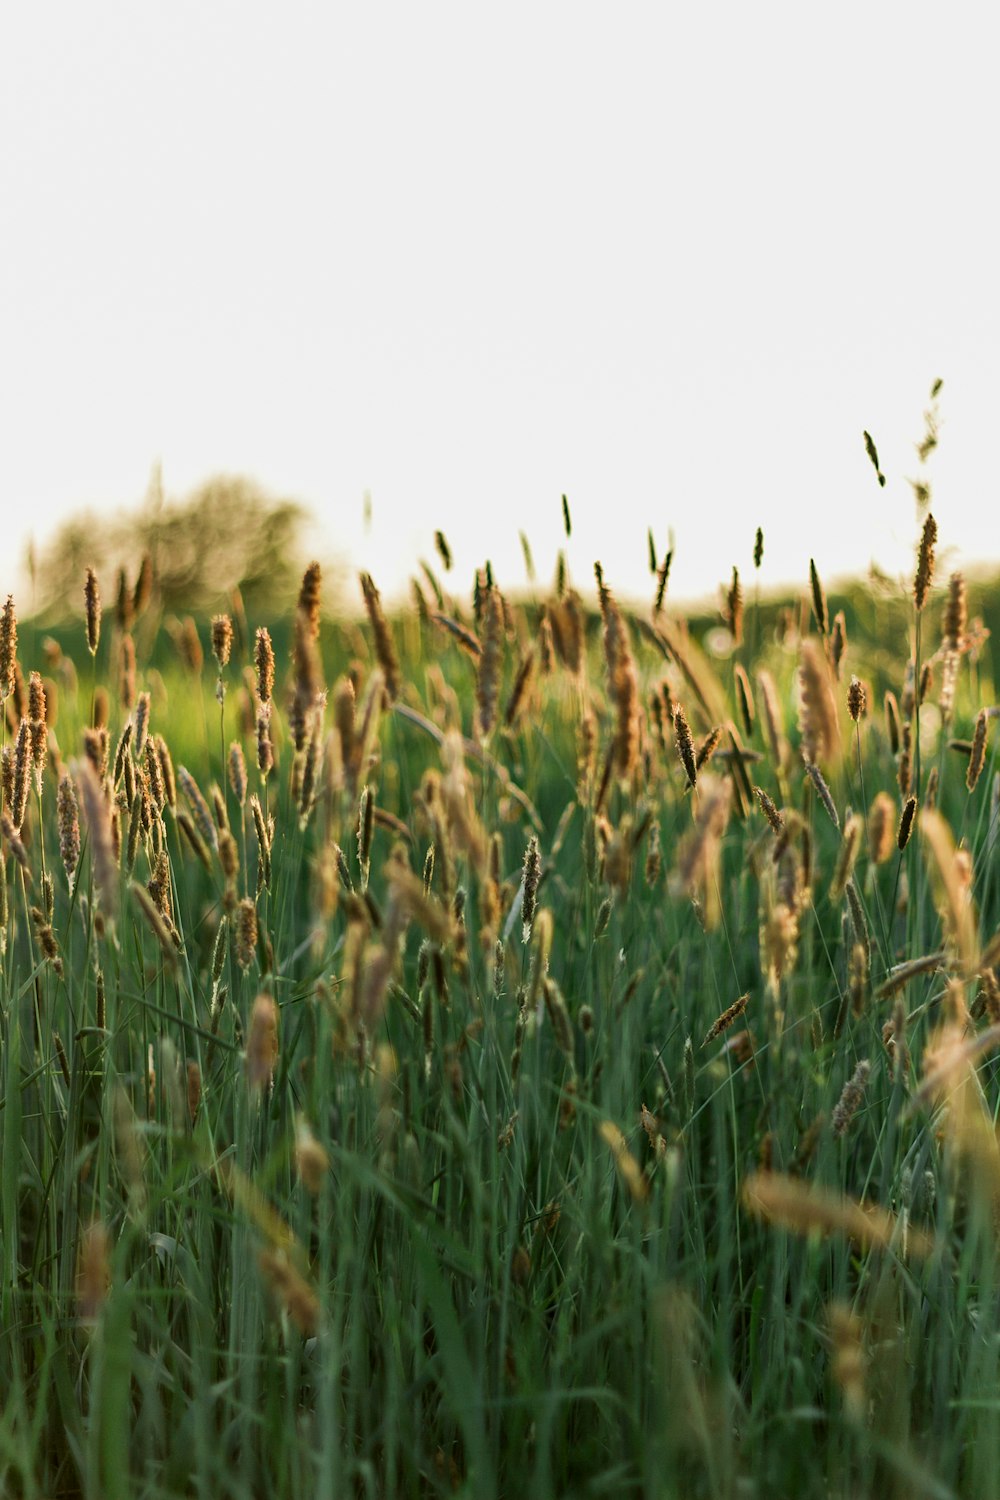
pixel 668 259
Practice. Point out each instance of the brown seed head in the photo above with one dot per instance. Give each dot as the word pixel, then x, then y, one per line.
pixel 143 591
pixel 685 745
pixel 977 756
pixel 8 647
pixel 309 598
pixel 906 823
pixel 531 877
pixel 264 660
pixel 818 599
pixel 385 649
pixel 851 1098
pixel 126 673
pixel 92 601
pixel 22 764
pixel 124 609
pixel 956 615
pixel 722 1023
pixel 68 816
pixel 734 609
pixel 857 699
pixel 222 639
pixel 925 562
pixel 246 933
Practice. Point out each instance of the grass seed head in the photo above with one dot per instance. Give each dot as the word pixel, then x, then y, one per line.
pixel 956 616
pixel 246 933
pixel 977 756
pixel 685 745
pixel 531 877
pixel 222 639
pixel 92 602
pixel 818 599
pixel 818 723
pixel 925 562
pixel 8 648
pixel 734 609
pixel 262 1042
pixel 851 1098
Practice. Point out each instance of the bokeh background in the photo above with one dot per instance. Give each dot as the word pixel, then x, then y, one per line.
pixel 433 266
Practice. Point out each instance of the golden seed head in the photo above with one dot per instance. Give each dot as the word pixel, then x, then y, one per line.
pixel 93 1276
pixel 311 1161
pixel 292 1291
pixel 229 857
pixel 265 749
pixel 490 659
pixel 818 722
pixel 881 827
pixel 222 639
pixel 198 805
pixel 385 649
pixel 956 614
pixel 238 772
pixel 857 699
pixel 8 647
pixel 262 1042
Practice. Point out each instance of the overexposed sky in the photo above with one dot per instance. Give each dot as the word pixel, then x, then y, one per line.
pixel 670 259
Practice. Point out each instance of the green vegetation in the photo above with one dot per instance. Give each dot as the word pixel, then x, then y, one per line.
pixel 515 1091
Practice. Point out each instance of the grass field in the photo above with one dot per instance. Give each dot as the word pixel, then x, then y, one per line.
pixel 568 1069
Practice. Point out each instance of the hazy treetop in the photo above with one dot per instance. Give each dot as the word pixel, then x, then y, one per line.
pixel 227 533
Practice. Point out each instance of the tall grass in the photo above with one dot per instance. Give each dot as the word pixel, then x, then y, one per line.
pixel 526 1075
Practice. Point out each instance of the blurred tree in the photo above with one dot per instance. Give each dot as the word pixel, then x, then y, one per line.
pixel 228 533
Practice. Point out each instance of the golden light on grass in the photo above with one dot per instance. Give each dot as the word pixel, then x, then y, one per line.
pixel 93 1275
pixel 954 895
pixel 262 1043
pixel 794 1204
pixel 629 1169
pixel 818 722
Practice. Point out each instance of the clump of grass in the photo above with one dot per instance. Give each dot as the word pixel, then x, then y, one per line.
pixel 355 1134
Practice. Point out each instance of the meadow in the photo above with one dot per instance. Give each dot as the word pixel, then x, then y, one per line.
pixel 523 1045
